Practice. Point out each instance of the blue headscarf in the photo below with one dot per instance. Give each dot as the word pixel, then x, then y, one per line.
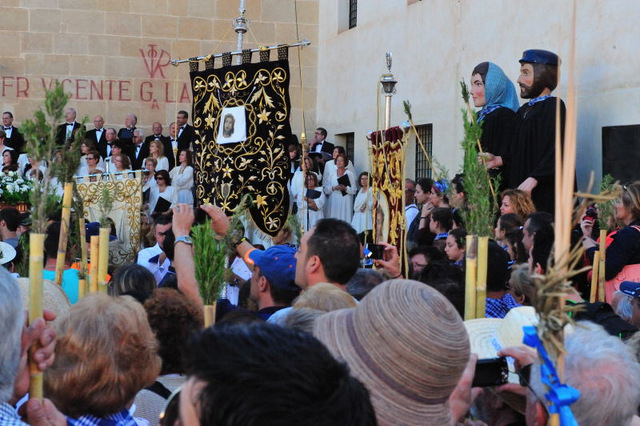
pixel 499 91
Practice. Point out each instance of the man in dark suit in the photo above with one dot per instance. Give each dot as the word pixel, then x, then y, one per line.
pixel 139 151
pixel 186 133
pixel 99 134
pixel 66 132
pixel 319 148
pixel 13 137
pixel 126 133
pixel 104 147
pixel 166 143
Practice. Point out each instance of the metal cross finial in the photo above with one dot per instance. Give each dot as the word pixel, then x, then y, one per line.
pixel 389 60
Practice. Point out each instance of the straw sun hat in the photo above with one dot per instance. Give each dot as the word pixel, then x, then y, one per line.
pixel 53 297
pixel 489 335
pixel 407 344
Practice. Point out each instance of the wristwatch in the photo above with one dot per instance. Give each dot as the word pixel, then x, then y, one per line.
pixel 184 239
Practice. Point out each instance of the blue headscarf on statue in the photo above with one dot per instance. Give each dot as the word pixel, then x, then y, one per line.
pixel 499 91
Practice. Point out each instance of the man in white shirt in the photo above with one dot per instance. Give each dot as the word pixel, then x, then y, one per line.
pixel 410 208
pixel 161 225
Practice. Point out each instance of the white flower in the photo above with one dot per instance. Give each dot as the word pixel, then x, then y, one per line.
pixel 19 180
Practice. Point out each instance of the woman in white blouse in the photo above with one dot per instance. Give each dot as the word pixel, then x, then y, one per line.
pixel 149 180
pixel 363 205
pixel 156 150
pixel 162 190
pixel 309 208
pixel 340 196
pixel 182 177
pixel 86 147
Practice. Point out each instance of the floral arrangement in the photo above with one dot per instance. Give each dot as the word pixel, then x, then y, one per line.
pixel 14 189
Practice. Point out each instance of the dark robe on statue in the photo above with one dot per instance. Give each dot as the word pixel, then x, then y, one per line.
pixel 498 134
pixel 533 151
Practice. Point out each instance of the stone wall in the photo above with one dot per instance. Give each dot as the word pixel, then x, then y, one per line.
pixel 113 55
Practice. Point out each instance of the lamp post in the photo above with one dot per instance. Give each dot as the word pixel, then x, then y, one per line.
pixel 240 25
pixel 388 90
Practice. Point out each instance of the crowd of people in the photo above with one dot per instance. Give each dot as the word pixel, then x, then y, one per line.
pixel 307 331
pixel 166 160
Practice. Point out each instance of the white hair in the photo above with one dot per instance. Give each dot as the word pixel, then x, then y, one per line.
pixel 11 320
pixel 606 373
pixel 624 307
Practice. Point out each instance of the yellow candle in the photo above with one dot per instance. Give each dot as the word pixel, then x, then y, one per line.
pixel 603 255
pixel 36 265
pixel 93 274
pixel 64 231
pixel 481 281
pixel 104 259
pixel 470 280
pixel 209 315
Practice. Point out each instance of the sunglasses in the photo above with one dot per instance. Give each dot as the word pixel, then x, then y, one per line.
pixel 159 178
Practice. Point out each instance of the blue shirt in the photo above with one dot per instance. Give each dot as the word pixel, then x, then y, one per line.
pixel 498 308
pixel 122 418
pixel 70 281
pixel 9 417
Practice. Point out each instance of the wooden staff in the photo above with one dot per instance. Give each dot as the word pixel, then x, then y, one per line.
pixel 104 259
pixel 64 232
pixel 36 266
pixel 593 293
pixel 303 167
pixel 95 261
pixel 565 180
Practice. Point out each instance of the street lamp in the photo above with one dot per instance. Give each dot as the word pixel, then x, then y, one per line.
pixel 388 90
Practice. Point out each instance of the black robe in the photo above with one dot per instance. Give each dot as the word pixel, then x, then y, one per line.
pixel 533 151
pixel 498 133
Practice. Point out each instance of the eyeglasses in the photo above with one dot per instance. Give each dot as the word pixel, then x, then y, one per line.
pixel 171 411
pixel 91 158
pixel 159 178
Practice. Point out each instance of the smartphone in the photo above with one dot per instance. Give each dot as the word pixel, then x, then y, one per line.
pixel 374 251
pixel 491 372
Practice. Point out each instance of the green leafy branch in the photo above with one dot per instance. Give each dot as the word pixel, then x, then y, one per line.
pixel 478 184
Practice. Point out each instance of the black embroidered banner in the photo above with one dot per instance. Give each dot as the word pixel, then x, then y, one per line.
pixel 241 119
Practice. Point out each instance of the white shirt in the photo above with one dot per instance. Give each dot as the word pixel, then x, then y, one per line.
pixel 410 212
pixel 145 254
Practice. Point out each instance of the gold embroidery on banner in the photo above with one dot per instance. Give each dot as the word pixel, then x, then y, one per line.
pixel 225 172
pixel 126 192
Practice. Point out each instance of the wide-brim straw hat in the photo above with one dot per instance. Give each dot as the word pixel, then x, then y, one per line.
pixel 53 297
pixel 7 253
pixel 489 335
pixel 407 344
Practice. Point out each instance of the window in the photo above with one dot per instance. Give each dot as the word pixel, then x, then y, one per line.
pixel 621 152
pixel 347 140
pixel 353 13
pixel 425 131
pixel 348 145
